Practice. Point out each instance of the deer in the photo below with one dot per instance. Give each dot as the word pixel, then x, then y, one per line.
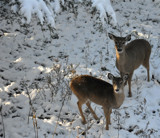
pixel 130 56
pixel 91 89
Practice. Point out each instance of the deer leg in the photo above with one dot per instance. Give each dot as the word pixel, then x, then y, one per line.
pixel 79 103
pixel 90 108
pixel 146 65
pixel 148 74
pixel 129 84
pixel 109 121
pixel 122 74
pixel 107 116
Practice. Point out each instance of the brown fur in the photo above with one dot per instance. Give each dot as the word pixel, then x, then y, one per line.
pixel 88 88
pixel 134 54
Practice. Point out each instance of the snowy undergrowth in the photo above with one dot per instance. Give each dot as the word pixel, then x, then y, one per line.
pixel 48 10
pixel 39 63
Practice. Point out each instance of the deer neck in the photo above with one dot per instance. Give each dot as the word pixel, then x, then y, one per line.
pixel 121 57
pixel 119 98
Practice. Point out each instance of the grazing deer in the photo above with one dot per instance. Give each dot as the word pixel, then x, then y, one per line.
pixel 88 88
pixel 129 57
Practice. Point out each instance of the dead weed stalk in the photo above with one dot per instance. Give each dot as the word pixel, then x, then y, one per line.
pixel 31 110
pixel 1 107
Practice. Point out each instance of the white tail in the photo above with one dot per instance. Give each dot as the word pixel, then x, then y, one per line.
pixel 129 57
pixel 88 88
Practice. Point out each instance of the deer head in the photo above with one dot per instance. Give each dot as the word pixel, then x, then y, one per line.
pixel 119 42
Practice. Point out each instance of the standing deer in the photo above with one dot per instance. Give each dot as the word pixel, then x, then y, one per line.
pixel 130 56
pixel 88 88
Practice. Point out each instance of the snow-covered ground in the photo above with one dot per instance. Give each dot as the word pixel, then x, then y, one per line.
pixel 39 61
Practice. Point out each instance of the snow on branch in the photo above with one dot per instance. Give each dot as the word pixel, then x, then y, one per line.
pixel 46 10
pixel 105 6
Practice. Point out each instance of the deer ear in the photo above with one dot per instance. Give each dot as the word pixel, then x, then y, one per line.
pixel 110 76
pixel 125 77
pixel 128 38
pixel 111 36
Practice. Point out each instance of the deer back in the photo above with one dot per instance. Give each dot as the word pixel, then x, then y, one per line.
pixel 90 88
pixel 136 52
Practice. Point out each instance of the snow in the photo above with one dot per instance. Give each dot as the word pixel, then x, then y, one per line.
pixel 47 10
pixel 38 7
pixel 34 58
pixel 104 6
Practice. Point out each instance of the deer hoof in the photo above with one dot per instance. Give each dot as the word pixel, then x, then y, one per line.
pixel 95 117
pixel 130 95
pixel 107 128
pixel 84 122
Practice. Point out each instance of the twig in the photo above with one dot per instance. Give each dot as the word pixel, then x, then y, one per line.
pixel 84 131
pixel 86 56
pixel 35 126
pixel 29 114
pixel 64 98
pixel 30 101
pixel 33 112
pixel 118 119
pixel 2 121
